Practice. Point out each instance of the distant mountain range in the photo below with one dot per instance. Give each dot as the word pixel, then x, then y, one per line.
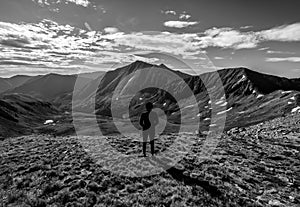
pixel 10 83
pixel 248 94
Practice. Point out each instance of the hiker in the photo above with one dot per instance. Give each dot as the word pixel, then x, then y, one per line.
pixel 148 121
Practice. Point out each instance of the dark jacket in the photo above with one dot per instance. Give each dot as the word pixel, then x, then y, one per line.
pixel 146 121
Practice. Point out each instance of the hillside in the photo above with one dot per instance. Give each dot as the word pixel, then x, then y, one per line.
pixel 54 88
pixel 247 100
pixel 10 83
pixel 19 114
pixel 250 97
pixel 253 166
pixel 241 86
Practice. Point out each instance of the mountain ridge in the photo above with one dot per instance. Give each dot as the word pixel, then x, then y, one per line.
pixel 51 86
pixel 247 93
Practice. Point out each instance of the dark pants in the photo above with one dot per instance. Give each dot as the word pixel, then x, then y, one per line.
pixel 148 133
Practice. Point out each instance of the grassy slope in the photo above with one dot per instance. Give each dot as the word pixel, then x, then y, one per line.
pixel 254 166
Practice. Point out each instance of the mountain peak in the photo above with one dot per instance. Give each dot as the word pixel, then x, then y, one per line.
pixel 141 64
pixel 163 66
pixel 137 65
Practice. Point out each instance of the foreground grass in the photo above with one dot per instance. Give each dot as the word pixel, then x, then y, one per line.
pixel 254 166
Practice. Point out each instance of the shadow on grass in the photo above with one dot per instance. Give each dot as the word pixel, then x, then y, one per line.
pixel 187 180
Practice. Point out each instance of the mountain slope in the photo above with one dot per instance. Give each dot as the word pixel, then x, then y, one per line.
pixel 19 114
pixel 269 83
pixel 49 87
pixel 238 83
pixel 4 85
pixel 250 97
pixel 247 101
pixel 15 81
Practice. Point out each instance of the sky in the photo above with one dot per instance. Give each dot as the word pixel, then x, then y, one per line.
pixel 76 36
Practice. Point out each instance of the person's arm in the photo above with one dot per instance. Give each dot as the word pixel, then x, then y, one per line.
pixel 142 121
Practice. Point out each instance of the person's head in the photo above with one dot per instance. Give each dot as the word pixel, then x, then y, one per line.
pixel 149 106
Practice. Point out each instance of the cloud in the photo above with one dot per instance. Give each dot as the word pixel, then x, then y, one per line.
pixel 50 45
pixel 179 44
pixel 14 62
pixel 286 59
pixel 184 16
pixel 280 52
pixel 169 12
pixel 111 30
pixel 43 3
pixel 246 27
pixel 179 24
pixel 84 3
pixel 219 58
pixel 110 58
pixel 228 38
pixel 283 33
pixel 22 42
pixel 88 26
pixel 263 48
pixel 232 38
pixel 15 42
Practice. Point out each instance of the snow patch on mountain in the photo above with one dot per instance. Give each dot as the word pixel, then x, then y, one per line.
pixel 296 109
pixel 285 92
pixel 48 122
pixel 260 95
pixel 242 79
pixel 223 112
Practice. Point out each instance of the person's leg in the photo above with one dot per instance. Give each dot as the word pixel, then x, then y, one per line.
pixel 151 135
pixel 152 147
pixel 145 135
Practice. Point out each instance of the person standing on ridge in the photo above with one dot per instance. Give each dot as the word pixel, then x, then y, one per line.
pixel 148 121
